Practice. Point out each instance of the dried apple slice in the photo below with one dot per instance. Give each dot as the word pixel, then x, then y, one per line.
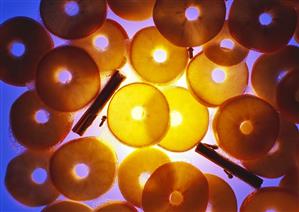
pixel 73 19
pixel 35 125
pixel 221 195
pixel 83 169
pixel 281 157
pixel 269 69
pixel 20 181
pixel 176 186
pixel 107 46
pixel 270 198
pixel 188 120
pixel 189 22
pixel 262 25
pixel 132 10
pixel 213 84
pixel 116 206
pixel 288 96
pixel 67 78
pixel 224 50
pixel 154 58
pixel 64 206
pixel 138 115
pixel 246 127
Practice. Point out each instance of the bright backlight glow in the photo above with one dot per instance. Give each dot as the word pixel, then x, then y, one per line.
pixel 64 76
pixel 39 176
pixel 81 170
pixel 138 113
pixel 17 49
pixel 265 19
pixel 143 178
pixel 176 118
pixel 160 55
pixel 71 8
pixel 192 13
pixel 101 42
pixel 227 44
pixel 41 116
pixel 218 75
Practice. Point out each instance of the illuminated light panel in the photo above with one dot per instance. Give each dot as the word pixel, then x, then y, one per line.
pixel 175 118
pixel 17 49
pixel 192 13
pixel 138 113
pixel 81 170
pixel 218 75
pixel 246 127
pixel 265 19
pixel 160 55
pixel 101 42
pixel 176 198
pixel 227 44
pixel 143 178
pixel 41 116
pixel 39 176
pixel 71 8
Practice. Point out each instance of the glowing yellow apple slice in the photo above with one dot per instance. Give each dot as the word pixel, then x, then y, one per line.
pixel 188 120
pixel 154 58
pixel 138 115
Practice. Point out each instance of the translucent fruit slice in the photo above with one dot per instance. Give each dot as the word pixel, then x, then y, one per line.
pixel 83 169
pixel 176 187
pixel 37 126
pixel 269 34
pixel 189 22
pixel 135 169
pixel 188 120
pixel 132 10
pixel 69 23
pixel 107 46
pixel 224 50
pixel 23 43
pixel 270 198
pixel 246 127
pixel 64 206
pixel 288 96
pixel 116 206
pixel 281 157
pixel 138 115
pixel 221 196
pixel 154 58
pixel 67 78
pixel 20 181
pixel 213 84
pixel 269 69
pixel 291 180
